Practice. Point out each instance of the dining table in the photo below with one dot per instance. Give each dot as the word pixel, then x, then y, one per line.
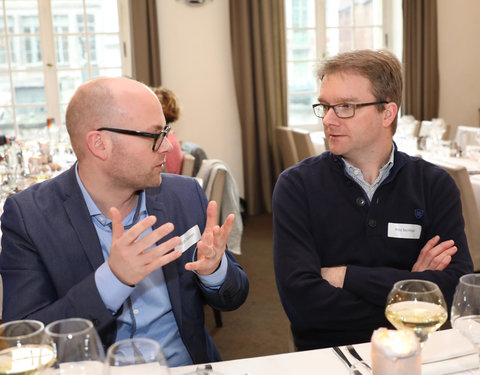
pixel 445 352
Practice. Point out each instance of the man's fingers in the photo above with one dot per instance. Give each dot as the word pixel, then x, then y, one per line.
pixel 155 236
pixel 211 215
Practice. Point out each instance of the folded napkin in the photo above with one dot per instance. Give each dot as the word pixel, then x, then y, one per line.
pixel 448 352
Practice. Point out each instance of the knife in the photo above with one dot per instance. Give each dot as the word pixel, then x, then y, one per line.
pixel 357 356
pixel 344 359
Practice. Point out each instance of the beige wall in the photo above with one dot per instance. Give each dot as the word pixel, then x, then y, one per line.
pixel 459 61
pixel 197 66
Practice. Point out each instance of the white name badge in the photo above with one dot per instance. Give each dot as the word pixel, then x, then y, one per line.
pixel 399 230
pixel 189 238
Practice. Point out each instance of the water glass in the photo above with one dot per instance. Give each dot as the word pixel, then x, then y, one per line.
pixel 78 349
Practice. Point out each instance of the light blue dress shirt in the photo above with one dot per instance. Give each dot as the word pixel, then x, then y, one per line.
pixel 151 305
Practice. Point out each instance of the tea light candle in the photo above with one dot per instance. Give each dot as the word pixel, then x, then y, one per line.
pixel 395 353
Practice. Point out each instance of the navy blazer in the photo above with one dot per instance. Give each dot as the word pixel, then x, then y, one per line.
pixel 50 251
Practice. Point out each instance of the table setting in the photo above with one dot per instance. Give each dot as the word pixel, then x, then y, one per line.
pixel 415 307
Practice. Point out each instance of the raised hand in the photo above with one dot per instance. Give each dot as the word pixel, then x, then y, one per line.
pixel 435 256
pixel 129 260
pixel 213 243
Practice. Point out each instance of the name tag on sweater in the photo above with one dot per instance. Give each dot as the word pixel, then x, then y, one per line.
pixel 189 238
pixel 399 230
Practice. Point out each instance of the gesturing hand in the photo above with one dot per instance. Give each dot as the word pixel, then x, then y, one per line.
pixel 212 244
pixel 128 260
pixel 435 256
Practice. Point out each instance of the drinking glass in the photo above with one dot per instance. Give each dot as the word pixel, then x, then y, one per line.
pixel 417 305
pixel 465 314
pixel 21 348
pixel 77 348
pixel 145 354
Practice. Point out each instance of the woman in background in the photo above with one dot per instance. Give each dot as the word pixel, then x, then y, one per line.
pixel 171 110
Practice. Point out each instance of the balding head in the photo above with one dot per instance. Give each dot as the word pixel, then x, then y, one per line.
pixel 96 103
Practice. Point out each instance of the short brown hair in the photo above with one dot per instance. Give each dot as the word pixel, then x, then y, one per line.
pixel 169 102
pixel 380 67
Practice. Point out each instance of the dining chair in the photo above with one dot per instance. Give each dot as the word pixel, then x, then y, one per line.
pixel 187 164
pixel 303 143
pixel 286 146
pixel 469 208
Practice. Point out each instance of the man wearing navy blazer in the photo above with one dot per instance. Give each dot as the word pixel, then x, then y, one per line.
pixel 102 240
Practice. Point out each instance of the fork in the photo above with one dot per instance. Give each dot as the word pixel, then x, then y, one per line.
pixel 353 352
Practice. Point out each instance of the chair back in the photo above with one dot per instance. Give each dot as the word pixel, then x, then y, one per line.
pixel 303 143
pixel 187 164
pixel 469 208
pixel 218 186
pixel 286 146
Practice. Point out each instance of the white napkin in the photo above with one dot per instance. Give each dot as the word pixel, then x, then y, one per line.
pixel 448 352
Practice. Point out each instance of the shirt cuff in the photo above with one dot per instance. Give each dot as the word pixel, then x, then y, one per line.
pixel 112 291
pixel 215 280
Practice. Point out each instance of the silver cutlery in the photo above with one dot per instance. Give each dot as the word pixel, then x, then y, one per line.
pixel 357 356
pixel 347 363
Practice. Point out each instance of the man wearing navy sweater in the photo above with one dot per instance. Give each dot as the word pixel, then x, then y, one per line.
pixel 352 221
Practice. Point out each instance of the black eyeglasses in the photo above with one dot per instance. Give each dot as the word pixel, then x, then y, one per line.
pixel 344 110
pixel 157 137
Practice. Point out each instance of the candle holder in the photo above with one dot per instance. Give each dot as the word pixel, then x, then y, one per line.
pixel 395 352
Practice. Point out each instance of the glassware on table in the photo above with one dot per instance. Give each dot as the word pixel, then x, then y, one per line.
pixel 417 305
pixel 465 314
pixel 77 348
pixel 21 350
pixel 143 353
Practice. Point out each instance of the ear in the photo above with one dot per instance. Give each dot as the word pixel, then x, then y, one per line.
pixel 98 144
pixel 389 113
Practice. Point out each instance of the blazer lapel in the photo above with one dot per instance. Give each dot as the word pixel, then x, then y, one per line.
pixel 157 208
pixel 77 211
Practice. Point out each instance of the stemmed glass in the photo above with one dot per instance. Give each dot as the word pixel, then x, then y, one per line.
pixel 77 347
pixel 145 354
pixel 417 305
pixel 21 350
pixel 465 314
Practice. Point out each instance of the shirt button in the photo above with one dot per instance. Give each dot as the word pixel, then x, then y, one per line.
pixel 355 173
pixel 135 311
pixel 360 201
pixel 372 223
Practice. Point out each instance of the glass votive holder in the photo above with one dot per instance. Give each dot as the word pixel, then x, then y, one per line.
pixel 395 352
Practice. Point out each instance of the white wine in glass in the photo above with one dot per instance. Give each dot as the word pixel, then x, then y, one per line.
pixel 417 305
pixel 21 350
pixel 465 314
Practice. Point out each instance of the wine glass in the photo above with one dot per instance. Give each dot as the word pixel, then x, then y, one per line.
pixel 77 347
pixel 465 314
pixel 21 349
pixel 417 305
pixel 145 354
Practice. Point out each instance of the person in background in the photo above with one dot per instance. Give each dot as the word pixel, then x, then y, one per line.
pixel 4 140
pixel 351 222
pixel 171 111
pixel 101 240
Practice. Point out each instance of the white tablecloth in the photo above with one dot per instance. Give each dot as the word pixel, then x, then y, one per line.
pixel 442 345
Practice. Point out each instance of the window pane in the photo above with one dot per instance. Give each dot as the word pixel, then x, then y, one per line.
pixel 300 109
pixel 97 20
pixel 30 120
pixel 301 77
pixel 3 53
pixel 368 12
pixel 105 50
pixel 25 52
pixel 6 121
pixel 368 37
pixel 106 73
pixel 301 45
pixel 339 13
pixel 5 90
pixel 71 51
pixel 29 87
pixel 300 13
pixel 15 8
pixel 68 81
pixel 64 13
pixel 339 40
